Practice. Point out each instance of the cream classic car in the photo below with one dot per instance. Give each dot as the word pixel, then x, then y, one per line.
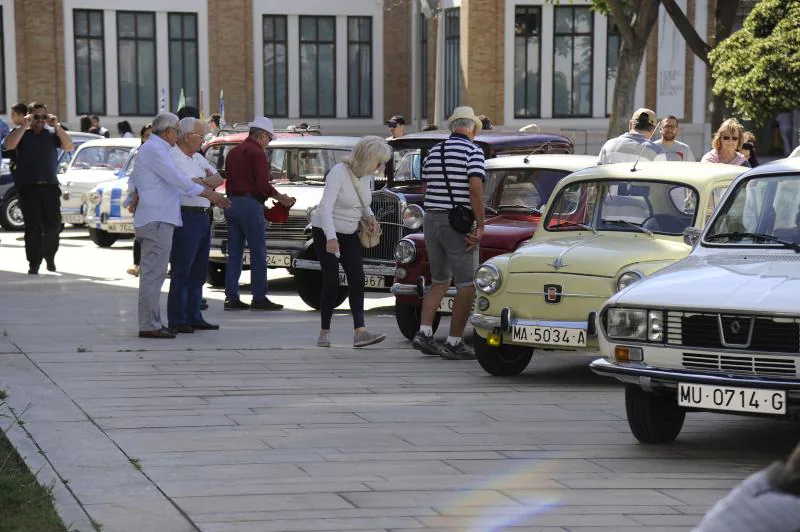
pixel 604 228
pixel 719 330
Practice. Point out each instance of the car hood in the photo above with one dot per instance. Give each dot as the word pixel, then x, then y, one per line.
pixel 601 254
pixel 87 176
pixel 306 196
pixel 506 233
pixel 750 283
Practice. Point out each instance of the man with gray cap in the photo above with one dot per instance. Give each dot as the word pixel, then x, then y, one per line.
pixel 159 184
pixel 636 143
pixel 248 185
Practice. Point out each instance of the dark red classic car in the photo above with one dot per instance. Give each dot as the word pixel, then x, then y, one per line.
pixel 516 190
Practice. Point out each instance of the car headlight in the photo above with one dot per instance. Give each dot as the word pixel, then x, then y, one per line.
pixel 412 217
pixel 218 214
pixel 655 326
pixel 627 279
pixel 488 279
pixel 94 198
pixel 627 324
pixel 405 251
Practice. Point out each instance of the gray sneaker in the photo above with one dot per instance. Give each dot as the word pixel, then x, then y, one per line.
pixel 460 351
pixel 427 344
pixel 367 338
pixel 324 339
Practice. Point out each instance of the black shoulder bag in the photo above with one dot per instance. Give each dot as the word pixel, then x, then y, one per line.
pixel 461 218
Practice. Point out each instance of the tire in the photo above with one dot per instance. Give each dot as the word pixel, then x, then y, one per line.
pixel 216 274
pixel 503 361
pixel 309 284
pixel 11 215
pixel 653 417
pixel 103 239
pixel 409 317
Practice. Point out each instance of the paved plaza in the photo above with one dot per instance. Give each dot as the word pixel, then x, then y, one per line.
pixel 253 428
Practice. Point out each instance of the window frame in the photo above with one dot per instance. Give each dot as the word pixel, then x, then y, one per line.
pixel 370 48
pixel 452 59
pixel 271 89
pixel 528 9
pixel 183 40
pixel 573 34
pixel 136 39
pixel 102 110
pixel 304 113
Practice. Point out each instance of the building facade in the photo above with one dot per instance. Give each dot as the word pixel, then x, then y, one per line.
pixel 346 66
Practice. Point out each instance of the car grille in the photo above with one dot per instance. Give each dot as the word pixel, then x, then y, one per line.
pixel 292 229
pixel 775 335
pixel 744 365
pixel 388 208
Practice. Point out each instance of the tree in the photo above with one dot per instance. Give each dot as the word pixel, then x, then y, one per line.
pixel 757 68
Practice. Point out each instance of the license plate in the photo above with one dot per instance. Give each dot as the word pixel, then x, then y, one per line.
pixel 535 334
pixel 279 261
pixel 732 399
pixel 446 305
pixel 370 281
pixel 120 228
pixel 72 218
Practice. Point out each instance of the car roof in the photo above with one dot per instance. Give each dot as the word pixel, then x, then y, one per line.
pixel 693 174
pixel 780 166
pixel 556 161
pixel 315 141
pixel 83 136
pixel 127 142
pixel 491 137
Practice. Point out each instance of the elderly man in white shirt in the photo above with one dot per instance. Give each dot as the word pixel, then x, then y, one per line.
pixel 192 241
pixel 159 185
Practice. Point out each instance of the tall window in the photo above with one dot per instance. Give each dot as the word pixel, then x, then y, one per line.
pixel 276 67
pixel 572 61
pixel 90 65
pixel 318 67
pixel 613 43
pixel 527 61
pixel 423 61
pixel 359 67
pixel 452 59
pixel 183 62
pixel 136 55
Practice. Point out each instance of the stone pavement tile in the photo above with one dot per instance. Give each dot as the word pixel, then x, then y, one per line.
pixel 624 482
pixel 530 516
pixel 296 416
pixel 259 401
pixel 545 412
pixel 591 452
pixel 696 496
pixel 125 517
pixel 317 525
pixel 689 521
pixel 404 499
pixel 585 497
pixel 556 509
pixel 143 422
pixel 145 402
pixel 691 509
pixel 200 442
pixel 543 427
pixel 100 413
pixel 249 486
pixel 389 470
pixel 525 480
pixel 250 503
pixel 515 529
pixel 342 513
pixel 224 472
pixel 420 414
pixel 102 393
pixel 248 456
pixel 310 439
pixel 348 456
pixel 540 466
pixel 658 465
pixel 635 527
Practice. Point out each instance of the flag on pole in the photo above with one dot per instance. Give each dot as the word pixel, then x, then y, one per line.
pixel 181 100
pixel 221 107
pixel 163 99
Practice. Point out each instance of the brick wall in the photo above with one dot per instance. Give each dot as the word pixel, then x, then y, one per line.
pixel 230 42
pixel 482 60
pixel 397 59
pixel 40 53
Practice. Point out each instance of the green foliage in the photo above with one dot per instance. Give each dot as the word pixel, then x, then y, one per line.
pixel 757 68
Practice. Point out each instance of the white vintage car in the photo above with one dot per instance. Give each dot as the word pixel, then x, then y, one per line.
pixel 94 162
pixel 107 218
pixel 720 329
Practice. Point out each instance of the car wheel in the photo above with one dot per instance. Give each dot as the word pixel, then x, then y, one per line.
pixel 104 239
pixel 11 215
pixel 653 417
pixel 309 284
pixel 216 274
pixel 409 317
pixel 503 361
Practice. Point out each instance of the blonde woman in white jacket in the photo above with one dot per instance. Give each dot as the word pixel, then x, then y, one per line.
pixel 335 227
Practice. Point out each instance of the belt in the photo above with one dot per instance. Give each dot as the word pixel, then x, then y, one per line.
pixel 203 210
pixel 247 195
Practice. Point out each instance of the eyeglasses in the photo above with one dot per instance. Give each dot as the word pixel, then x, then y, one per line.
pixel 40 117
pixel 392 125
pixel 726 137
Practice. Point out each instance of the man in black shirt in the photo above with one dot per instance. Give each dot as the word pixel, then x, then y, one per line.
pixel 35 177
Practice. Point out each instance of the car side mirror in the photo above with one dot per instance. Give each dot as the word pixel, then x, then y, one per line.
pixel 691 235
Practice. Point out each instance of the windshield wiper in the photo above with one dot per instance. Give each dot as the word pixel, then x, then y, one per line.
pixel 519 206
pixel 576 224
pixel 629 224
pixel 490 210
pixel 756 236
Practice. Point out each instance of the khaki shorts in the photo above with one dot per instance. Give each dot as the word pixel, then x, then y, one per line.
pixel 447 251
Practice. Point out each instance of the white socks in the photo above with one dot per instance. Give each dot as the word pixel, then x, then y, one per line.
pixel 427 330
pixel 453 340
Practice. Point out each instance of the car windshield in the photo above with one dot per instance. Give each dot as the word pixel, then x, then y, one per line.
pixel 521 188
pixel 407 165
pixel 101 158
pixel 626 206
pixel 762 212
pixel 303 165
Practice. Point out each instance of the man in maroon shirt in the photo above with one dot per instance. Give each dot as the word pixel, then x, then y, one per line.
pixel 248 186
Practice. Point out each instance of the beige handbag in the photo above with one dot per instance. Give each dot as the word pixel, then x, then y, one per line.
pixel 369 239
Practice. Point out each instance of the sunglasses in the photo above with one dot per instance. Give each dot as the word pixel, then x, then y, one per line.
pixel 392 125
pixel 40 117
pixel 726 137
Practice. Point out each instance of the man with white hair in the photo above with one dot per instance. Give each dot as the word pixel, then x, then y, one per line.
pixel 159 184
pixel 191 241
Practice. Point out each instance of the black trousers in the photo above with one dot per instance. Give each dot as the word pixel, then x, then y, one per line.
pixel 41 210
pixel 352 259
pixel 137 251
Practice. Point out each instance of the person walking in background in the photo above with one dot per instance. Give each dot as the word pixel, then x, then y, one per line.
pixel 453 173
pixel 248 185
pixel 785 126
pixel 213 126
pixel 125 130
pixel 144 134
pixel 397 126
pixel 158 185
pixel 334 228
pixel 97 129
pixel 749 148
pixel 675 150
pixel 726 144
pixel 636 143
pixel 86 124
pixel 36 179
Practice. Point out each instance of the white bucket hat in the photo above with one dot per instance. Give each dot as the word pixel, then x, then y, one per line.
pixel 262 122
pixel 465 112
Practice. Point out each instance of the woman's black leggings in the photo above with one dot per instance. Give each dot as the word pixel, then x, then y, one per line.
pixel 353 264
pixel 137 252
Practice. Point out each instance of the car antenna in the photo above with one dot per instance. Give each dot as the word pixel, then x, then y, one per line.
pixel 537 150
pixel 645 145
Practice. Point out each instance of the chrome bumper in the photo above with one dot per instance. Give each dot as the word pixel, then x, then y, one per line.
pixel 491 322
pixel 400 289
pixel 369 269
pixel 653 378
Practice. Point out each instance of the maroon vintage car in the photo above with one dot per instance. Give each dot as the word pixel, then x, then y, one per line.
pixel 517 189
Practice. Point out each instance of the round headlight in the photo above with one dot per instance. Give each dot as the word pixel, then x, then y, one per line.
pixel 412 217
pixel 627 279
pixel 487 279
pixel 218 214
pixel 94 197
pixel 405 251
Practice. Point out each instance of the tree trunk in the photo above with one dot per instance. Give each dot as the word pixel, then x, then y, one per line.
pixel 630 63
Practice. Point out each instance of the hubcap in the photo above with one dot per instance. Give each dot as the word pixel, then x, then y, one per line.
pixel 15 213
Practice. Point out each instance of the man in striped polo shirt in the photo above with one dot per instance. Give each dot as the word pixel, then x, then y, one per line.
pixel 453 173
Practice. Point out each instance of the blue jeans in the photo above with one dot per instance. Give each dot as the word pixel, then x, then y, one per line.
pixel 189 260
pixel 246 222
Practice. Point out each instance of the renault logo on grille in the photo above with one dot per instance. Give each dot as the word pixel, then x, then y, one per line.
pixel 552 293
pixel 736 327
pixel 736 331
